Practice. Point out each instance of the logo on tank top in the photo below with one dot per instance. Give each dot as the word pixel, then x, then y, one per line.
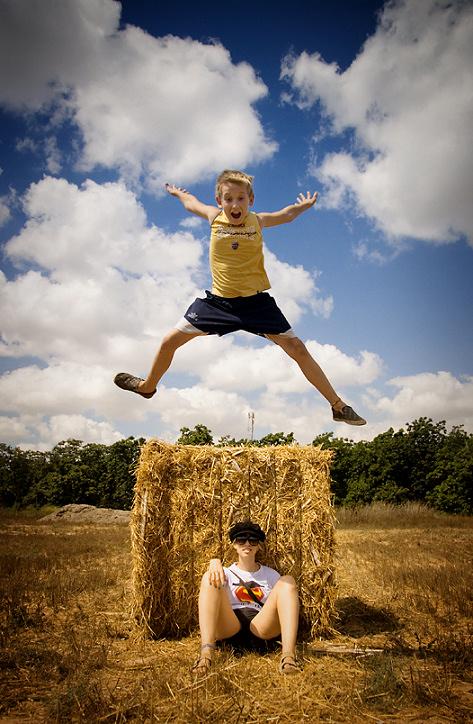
pixel 244 232
pixel 235 245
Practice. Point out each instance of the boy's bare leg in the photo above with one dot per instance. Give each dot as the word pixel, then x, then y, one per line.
pixel 170 343
pixel 297 350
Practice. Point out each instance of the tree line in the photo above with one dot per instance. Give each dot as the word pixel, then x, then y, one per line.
pixel 72 472
pixel 424 462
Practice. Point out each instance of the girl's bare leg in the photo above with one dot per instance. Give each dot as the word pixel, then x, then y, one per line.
pixel 216 618
pixel 164 356
pixel 280 615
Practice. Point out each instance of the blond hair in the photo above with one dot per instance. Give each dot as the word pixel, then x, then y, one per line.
pixel 234 177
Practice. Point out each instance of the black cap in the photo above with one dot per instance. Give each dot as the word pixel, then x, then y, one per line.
pixel 246 527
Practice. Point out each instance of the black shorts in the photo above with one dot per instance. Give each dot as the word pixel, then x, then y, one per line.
pixel 245 639
pixel 258 314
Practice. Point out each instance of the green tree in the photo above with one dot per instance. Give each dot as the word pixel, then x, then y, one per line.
pixel 393 467
pixel 451 480
pixel 227 441
pixel 38 467
pixel 424 441
pixel 22 473
pixel 361 485
pixel 200 435
pixel 387 467
pixel 340 470
pixel 16 475
pixel 75 472
pixel 422 463
pixel 276 438
pixel 118 478
pixel 8 490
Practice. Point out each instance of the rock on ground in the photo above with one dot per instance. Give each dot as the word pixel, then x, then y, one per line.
pixel 82 513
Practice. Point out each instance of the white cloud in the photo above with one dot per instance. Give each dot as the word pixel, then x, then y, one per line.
pixel 74 232
pixel 269 369
pixel 154 108
pixel 63 427
pixel 46 45
pixel 26 144
pixel 285 278
pixel 192 222
pixel 306 417
pixel 373 252
pixel 158 112
pixel 67 388
pixel 108 280
pixel 53 155
pixel 4 211
pixel 43 406
pixel 343 370
pixel 247 368
pixel 14 429
pixel 440 396
pixel 408 98
pixel 218 409
pixel 226 413
pixel 35 432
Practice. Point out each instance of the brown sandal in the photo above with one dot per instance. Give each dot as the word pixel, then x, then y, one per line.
pixel 289 665
pixel 202 665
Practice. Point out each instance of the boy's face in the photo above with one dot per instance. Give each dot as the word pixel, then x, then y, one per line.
pixel 235 201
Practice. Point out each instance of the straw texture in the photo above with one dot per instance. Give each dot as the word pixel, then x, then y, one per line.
pixel 187 497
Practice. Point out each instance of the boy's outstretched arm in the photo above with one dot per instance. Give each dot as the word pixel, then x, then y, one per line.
pixel 288 213
pixel 191 203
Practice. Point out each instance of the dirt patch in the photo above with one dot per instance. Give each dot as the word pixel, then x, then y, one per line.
pixel 82 513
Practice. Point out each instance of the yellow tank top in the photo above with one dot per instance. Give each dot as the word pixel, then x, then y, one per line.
pixel 236 257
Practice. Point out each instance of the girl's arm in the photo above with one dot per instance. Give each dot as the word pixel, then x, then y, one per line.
pixel 191 203
pixel 289 213
pixel 217 575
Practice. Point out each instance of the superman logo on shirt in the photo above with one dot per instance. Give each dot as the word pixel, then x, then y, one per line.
pixel 242 594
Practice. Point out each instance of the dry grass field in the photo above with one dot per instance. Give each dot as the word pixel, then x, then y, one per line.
pixel 401 650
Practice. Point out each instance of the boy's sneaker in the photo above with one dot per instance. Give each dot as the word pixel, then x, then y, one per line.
pixel 347 414
pixel 128 382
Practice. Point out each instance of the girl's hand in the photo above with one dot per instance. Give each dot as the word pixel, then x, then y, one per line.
pixel 307 201
pixel 216 573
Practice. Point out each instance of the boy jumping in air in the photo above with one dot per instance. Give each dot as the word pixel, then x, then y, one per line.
pixel 239 299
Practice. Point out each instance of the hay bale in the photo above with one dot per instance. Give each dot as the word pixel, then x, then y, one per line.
pixel 186 498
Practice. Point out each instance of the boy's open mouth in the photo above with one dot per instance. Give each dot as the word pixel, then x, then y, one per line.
pixel 236 214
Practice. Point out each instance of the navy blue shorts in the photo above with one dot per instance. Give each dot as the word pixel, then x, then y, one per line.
pixel 258 314
pixel 245 639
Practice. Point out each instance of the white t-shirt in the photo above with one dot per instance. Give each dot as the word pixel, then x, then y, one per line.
pixel 261 583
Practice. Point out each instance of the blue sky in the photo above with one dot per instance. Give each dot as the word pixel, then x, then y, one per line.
pixel 101 102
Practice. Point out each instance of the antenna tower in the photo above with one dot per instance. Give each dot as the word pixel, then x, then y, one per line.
pixel 251 424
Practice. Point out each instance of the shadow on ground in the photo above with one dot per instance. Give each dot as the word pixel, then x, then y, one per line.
pixel 356 618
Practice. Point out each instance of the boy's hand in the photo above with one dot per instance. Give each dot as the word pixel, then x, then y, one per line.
pixel 289 213
pixel 175 190
pixel 191 203
pixel 307 201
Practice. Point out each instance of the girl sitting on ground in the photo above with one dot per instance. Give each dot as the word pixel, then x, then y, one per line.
pixel 247 604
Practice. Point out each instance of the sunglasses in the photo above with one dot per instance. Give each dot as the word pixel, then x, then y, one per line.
pixel 242 539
